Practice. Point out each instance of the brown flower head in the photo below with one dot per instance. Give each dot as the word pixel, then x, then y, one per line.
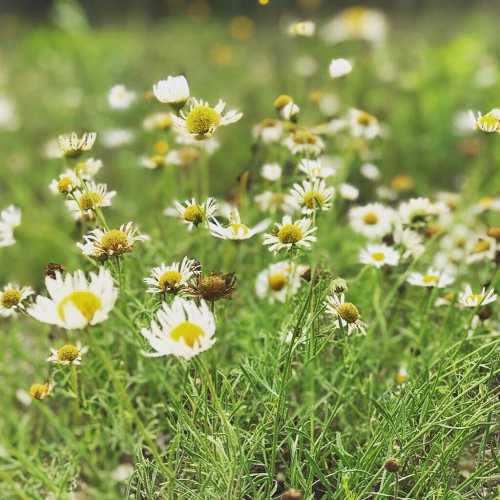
pixel 213 286
pixel 52 268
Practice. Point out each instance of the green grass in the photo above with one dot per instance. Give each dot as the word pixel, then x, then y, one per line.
pixel 254 415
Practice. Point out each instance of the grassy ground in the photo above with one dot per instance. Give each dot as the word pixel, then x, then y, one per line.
pixel 254 415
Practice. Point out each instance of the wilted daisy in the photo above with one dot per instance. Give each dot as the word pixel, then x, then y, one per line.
pixel 212 286
pixel 278 281
pixel 41 391
pixel 362 124
pixel 104 243
pixel 68 354
pixel 373 220
pixel 304 142
pixel 290 235
pixel 72 146
pixel 322 167
pixel 192 213
pixel 310 196
pixel 12 298
pixel 271 171
pixel 339 67
pixel 268 130
pixel 468 298
pixel 66 183
pixel 74 301
pixel 489 123
pixel 120 97
pixel 173 277
pixel 379 256
pixel 201 120
pixel 431 278
pixel 236 230
pixel 302 28
pixel 85 201
pixel 182 329
pixel 174 90
pixel 346 314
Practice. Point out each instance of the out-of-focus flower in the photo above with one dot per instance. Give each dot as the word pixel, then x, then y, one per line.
pixel 73 146
pixel 468 298
pixel 271 171
pixel 120 97
pixel 302 28
pixel 431 278
pixel 174 90
pixel 339 67
pixel 379 256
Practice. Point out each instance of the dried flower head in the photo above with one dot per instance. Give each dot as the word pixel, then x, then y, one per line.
pixel 213 286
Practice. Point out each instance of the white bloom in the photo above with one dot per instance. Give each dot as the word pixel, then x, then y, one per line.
pixel 373 220
pixel 116 138
pixel 379 256
pixel 489 123
pixel 173 90
pixel 468 298
pixel 290 235
pixel 182 329
pixel 288 111
pixel 345 313
pixel 418 211
pixel 269 130
pixel 68 354
pixel 339 67
pixel 310 196
pixel 8 115
pixel 302 28
pixel 76 302
pixel 348 191
pixel 201 120
pixel 157 121
pixel 411 241
pixel 304 142
pixel 271 171
pixel 278 281
pixel 485 204
pixel 192 213
pixel 10 218
pixel 323 167
pixel 431 278
pixel 482 248
pixel 362 124
pixel 88 168
pixel 305 65
pixel 370 171
pixel 12 298
pixel 236 230
pixel 72 146
pixel 120 97
pixel 172 278
pixel 88 198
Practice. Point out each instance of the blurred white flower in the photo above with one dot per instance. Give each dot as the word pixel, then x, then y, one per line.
pixel 339 67
pixel 120 97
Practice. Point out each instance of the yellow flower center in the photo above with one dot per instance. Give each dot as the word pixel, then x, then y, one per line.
pixel 169 279
pixel 281 101
pixel 161 147
pixel 348 312
pixel 115 241
pixel 68 352
pixel 202 120
pixel 486 201
pixel 39 391
pixel 290 233
pixel 488 122
pixel 370 218
pixel 378 256
pixel 188 331
pixel 239 229
pixel 304 137
pixel 313 199
pixel 402 182
pixel 90 200
pixel 430 279
pixel 10 298
pixel 86 302
pixel 481 246
pixel 276 281
pixel 194 214
pixel 365 119
pixel 354 17
pixel 157 160
pixel 64 185
pixel 476 298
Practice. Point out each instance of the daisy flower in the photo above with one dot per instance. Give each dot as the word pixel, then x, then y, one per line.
pixel 236 230
pixel 431 278
pixel 411 241
pixel 364 125
pixel 119 97
pixel 289 235
pixel 346 314
pixel 373 220
pixel 311 196
pixel 88 168
pixel 489 123
pixel 182 329
pixel 271 171
pixel 66 183
pixel 268 130
pixel 379 256
pixel 10 218
pixel 12 299
pixel 104 243
pixel 278 281
pixel 172 278
pixel 192 213
pixel 116 138
pixel 201 120
pixel 74 301
pixel 468 298
pixel 420 211
pixel 302 28
pixel 339 67
pixel 348 191
pixel 68 354
pixel 289 111
pixel 213 286
pixel 41 391
pixel 370 171
pixel 322 167
pixel 174 90
pixel 304 142
pixel 484 248
pixel 87 200
pixel 485 204
pixel 73 146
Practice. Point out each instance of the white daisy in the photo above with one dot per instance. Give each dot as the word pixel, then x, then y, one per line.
pixel 485 204
pixel 201 120
pixel 236 230
pixel 489 123
pixel 66 183
pixel 10 218
pixel 431 278
pixel 12 298
pixel 379 256
pixel 76 302
pixel 289 235
pixel 182 329
pixel 102 243
pixel 362 124
pixel 322 167
pixel 72 146
pixel 88 168
pixel 339 67
pixel 289 111
pixel 468 298
pixel 346 314
pixel 85 201
pixel 373 220
pixel 279 281
pixel 268 130
pixel 420 211
pixel 304 142
pixel 310 196
pixel 271 171
pixel 172 278
pixel 116 138
pixel 192 213
pixel 119 97
pixel 174 90
pixel 348 191
pixel 68 354
pixel 483 248
pixel 411 241
pixel 370 171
